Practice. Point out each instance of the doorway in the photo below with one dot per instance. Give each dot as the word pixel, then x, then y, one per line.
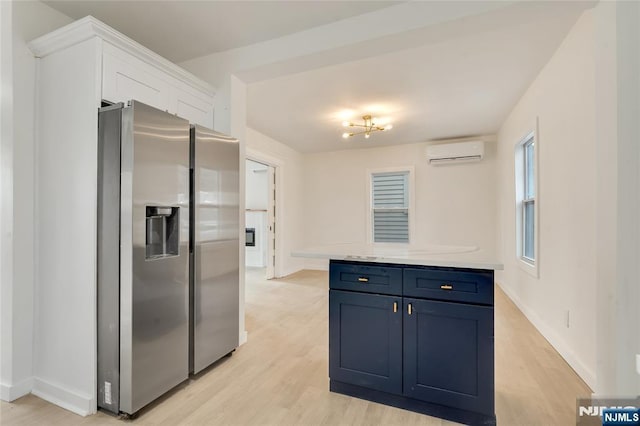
pixel 260 205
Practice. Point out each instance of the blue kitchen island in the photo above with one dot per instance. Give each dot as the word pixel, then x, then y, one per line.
pixel 413 328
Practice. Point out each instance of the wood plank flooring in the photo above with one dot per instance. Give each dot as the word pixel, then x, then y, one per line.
pixel 279 377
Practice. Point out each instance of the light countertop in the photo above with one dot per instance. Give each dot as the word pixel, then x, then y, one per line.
pixel 450 256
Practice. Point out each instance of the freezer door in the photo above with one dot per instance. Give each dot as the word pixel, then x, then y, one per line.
pixel 215 244
pixel 154 237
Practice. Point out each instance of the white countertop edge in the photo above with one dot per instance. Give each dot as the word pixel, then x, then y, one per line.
pixel 448 262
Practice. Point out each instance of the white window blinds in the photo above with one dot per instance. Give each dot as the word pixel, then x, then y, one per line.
pixel 390 207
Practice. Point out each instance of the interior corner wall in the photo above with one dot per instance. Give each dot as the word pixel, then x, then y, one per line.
pixel 618 172
pixel 561 302
pixel 636 25
pixel 628 210
pixel 289 190
pixel 454 204
pixel 28 20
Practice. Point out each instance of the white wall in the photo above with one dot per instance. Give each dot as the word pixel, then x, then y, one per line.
pixel 6 203
pixel 256 186
pixel 628 296
pixel 562 97
pixel 454 204
pixel 618 197
pixel 28 21
pixel 289 197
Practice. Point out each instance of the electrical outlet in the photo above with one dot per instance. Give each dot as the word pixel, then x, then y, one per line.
pixel 638 363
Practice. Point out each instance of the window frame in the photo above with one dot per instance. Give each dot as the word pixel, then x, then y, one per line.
pixel 529 265
pixel 410 204
pixel 526 199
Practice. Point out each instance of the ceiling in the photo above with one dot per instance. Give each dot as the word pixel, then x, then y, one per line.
pixel 436 69
pixel 182 30
pixel 462 82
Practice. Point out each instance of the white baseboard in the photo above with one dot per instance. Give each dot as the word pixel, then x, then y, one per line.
pixel 316 264
pixel 317 268
pixel 290 270
pixel 243 338
pixel 559 344
pixel 12 392
pixel 83 405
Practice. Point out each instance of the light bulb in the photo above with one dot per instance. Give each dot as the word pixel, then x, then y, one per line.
pixel 346 124
pixel 346 135
pixel 367 135
pixel 388 127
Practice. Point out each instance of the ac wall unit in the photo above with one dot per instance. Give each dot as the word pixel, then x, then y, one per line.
pixel 457 152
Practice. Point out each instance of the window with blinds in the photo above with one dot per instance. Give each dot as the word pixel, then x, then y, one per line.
pixel 390 207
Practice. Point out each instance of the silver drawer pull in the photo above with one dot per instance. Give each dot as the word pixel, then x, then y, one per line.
pixel 363 279
pixel 446 287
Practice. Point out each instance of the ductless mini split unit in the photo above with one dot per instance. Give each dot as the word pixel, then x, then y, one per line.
pixel 458 152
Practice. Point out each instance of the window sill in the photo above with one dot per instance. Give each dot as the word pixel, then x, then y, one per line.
pixel 530 268
pixel 390 244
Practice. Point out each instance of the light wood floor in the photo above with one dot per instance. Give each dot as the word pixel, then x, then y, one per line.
pixel 280 376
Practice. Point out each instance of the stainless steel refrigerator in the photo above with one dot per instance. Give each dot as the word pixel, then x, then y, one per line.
pixel 151 327
pixel 215 245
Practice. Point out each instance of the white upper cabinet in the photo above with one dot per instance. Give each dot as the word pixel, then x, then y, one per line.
pixel 192 107
pixel 125 77
pixel 131 71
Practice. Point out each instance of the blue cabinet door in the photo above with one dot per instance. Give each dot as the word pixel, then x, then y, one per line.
pixel 448 354
pixel 365 340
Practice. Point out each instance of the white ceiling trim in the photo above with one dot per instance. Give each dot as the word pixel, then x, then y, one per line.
pixel 89 27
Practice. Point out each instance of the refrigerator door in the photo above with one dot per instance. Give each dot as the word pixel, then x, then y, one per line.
pixel 215 244
pixel 154 260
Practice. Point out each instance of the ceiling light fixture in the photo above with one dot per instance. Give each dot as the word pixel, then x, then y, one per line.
pixel 368 127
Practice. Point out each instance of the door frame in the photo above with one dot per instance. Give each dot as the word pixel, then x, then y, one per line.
pixel 257 156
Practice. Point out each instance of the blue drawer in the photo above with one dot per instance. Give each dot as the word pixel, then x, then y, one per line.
pixel 365 278
pixel 454 285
